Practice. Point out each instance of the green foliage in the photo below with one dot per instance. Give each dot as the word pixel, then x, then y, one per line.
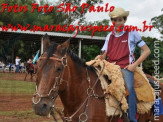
pixel 148 64
pixel 158 23
pixel 23 18
pixel 18 47
pixel 71 17
pixel 96 23
pixel 58 18
pixel 89 52
pixel 25 49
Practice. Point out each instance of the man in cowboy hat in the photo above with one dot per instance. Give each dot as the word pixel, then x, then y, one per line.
pixel 119 48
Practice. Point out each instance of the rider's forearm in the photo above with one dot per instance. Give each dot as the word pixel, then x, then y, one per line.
pixel 144 55
pixel 104 55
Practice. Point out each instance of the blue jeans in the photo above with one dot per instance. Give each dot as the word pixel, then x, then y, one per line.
pixel 17 68
pixel 131 99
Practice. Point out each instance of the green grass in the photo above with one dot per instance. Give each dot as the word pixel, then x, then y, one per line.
pixel 20 114
pixel 25 115
pixel 17 87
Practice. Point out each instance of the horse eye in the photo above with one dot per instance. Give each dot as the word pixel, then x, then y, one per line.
pixel 58 69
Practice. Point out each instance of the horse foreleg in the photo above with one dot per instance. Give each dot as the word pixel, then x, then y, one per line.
pixel 25 76
pixel 31 76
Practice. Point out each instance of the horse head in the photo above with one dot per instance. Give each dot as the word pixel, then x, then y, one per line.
pixel 49 77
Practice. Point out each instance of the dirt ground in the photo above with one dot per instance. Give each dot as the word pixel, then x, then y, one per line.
pixel 18 107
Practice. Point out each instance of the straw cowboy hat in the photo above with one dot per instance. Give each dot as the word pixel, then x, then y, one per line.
pixel 118 12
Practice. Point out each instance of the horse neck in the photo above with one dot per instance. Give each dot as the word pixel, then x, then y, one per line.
pixel 76 87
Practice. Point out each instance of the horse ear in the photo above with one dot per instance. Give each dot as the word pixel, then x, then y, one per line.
pixel 46 42
pixel 63 47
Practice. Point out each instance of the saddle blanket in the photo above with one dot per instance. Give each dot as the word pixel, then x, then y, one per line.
pixel 113 85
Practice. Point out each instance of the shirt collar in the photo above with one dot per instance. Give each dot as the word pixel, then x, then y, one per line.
pixel 115 33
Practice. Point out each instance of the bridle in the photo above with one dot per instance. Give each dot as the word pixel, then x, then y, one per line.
pixel 58 80
pixel 55 88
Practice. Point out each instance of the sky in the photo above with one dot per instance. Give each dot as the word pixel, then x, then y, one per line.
pixel 140 10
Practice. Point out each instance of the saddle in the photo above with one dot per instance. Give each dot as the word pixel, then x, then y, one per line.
pixel 142 86
pixel 116 91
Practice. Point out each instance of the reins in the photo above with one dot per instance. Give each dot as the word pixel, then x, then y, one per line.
pixel 89 94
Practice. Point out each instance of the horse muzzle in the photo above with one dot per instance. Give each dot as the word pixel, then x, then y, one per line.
pixel 44 107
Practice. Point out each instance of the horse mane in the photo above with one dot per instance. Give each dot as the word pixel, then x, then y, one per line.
pixel 73 56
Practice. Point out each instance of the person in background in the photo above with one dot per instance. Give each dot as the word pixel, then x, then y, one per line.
pixel 31 64
pixel 17 63
pixel 29 61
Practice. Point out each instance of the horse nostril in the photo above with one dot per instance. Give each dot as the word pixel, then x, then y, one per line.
pixel 44 106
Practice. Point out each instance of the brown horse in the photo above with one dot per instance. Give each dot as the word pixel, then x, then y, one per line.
pixel 61 72
pixel 29 70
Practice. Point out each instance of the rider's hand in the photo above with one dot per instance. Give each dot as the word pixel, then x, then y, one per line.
pixel 131 67
pixel 100 57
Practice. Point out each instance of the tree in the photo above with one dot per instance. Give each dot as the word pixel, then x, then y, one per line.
pixel 36 18
pixel 96 23
pixel 23 18
pixel 158 23
pixel 89 52
pixel 73 16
